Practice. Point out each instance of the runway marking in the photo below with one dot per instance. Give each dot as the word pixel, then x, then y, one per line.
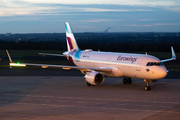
pixel 121 104
pixel 80 102
pixel 78 98
pixel 145 105
pixel 101 103
pixel 71 99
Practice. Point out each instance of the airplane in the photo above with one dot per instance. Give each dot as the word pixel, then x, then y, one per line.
pixel 95 64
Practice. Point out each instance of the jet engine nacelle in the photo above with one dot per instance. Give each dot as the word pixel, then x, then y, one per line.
pixel 94 78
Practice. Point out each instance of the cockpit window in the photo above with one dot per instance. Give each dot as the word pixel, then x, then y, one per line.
pixel 154 64
pixel 148 64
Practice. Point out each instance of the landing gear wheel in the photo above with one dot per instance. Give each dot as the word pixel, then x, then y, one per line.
pixel 129 80
pixel 146 88
pixel 88 84
pixel 125 81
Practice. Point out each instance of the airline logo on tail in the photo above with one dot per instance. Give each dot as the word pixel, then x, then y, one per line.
pixel 71 42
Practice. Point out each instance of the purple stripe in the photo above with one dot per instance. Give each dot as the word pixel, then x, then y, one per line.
pixel 71 60
pixel 69 43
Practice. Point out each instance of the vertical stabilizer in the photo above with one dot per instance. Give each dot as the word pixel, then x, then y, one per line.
pixel 71 41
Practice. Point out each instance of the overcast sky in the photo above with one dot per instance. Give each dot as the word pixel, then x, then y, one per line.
pixel 49 16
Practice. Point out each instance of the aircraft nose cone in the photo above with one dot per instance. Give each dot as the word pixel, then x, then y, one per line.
pixel 162 73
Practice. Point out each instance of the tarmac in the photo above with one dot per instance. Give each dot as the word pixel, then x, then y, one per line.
pixel 33 93
pixel 69 98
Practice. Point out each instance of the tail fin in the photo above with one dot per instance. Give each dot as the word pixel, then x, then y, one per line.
pixel 71 41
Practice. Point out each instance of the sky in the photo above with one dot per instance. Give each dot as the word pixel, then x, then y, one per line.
pixel 49 16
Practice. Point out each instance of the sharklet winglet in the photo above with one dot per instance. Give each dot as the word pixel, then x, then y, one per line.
pixel 173 56
pixel 9 56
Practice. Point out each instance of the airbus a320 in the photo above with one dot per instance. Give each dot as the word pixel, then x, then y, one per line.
pixel 95 65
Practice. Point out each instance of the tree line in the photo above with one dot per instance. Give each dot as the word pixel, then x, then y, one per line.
pixel 114 42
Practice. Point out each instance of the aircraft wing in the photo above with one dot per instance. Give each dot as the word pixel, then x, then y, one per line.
pixel 51 54
pixel 173 56
pixel 102 69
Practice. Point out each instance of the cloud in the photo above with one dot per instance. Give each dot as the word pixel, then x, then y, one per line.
pixel 137 25
pixel 167 24
pixel 145 20
pixel 149 25
pixel 110 2
pixel 102 10
pixel 85 26
pixel 101 20
pixel 110 10
pixel 132 13
pixel 23 8
pixel 27 7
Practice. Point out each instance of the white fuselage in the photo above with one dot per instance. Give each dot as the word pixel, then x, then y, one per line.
pixel 122 64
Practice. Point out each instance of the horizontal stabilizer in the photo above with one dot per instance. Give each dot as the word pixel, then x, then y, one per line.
pixel 48 54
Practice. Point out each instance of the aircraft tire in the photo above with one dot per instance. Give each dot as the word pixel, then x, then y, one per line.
pixel 129 80
pixel 125 80
pixel 88 84
pixel 146 88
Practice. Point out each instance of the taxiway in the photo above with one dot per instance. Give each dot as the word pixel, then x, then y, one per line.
pixel 68 98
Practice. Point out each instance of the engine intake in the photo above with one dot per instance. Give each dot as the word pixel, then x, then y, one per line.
pixel 94 78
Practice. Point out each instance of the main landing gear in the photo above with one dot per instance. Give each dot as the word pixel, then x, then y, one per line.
pixel 127 80
pixel 88 84
pixel 147 87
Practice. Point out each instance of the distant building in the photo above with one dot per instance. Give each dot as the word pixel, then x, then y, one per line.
pixel 8 34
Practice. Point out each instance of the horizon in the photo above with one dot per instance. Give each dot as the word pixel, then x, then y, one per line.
pixel 86 32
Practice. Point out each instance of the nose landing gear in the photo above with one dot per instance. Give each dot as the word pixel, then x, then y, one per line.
pixel 147 87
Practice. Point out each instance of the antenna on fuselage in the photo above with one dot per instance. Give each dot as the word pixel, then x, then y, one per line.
pixel 146 53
